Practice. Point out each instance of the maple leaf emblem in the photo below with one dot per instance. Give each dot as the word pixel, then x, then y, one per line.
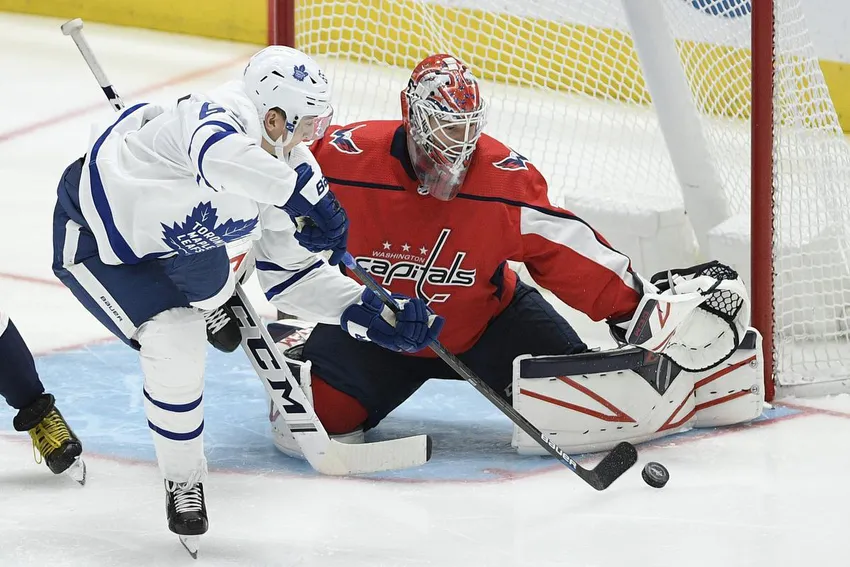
pixel 299 72
pixel 201 231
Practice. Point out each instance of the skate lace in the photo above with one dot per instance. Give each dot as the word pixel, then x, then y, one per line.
pixel 49 435
pixel 186 499
pixel 216 319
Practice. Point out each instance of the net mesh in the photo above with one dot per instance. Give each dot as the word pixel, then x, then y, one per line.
pixel 566 90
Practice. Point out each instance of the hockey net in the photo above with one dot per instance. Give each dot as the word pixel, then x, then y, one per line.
pixel 574 86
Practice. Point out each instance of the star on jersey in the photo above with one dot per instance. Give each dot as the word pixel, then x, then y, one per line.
pixel 423 250
pixel 387 245
pixel 405 247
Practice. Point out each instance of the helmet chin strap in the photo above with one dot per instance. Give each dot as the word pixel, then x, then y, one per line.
pixel 278 144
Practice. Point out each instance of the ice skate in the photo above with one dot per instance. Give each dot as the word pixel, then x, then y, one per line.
pixel 52 438
pixel 222 329
pixel 187 513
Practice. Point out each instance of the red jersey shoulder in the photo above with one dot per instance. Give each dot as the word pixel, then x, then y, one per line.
pixel 354 139
pixel 502 172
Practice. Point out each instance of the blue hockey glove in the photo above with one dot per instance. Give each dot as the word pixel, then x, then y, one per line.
pixel 410 330
pixel 326 229
pixel 323 225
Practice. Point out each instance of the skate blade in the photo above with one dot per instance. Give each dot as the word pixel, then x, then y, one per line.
pixel 192 544
pixel 77 471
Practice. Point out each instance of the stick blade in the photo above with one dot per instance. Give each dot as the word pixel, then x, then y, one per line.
pixel 342 459
pixel 609 469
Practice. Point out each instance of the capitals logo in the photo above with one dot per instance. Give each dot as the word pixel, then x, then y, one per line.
pixel 420 268
pixel 341 140
pixel 514 162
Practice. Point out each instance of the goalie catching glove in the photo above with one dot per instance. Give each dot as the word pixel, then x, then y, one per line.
pixel 695 316
pixel 412 329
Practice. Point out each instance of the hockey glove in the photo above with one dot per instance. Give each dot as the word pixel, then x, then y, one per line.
pixel 323 226
pixel 695 316
pixel 410 330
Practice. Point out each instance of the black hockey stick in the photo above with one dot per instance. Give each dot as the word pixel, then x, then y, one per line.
pixel 609 469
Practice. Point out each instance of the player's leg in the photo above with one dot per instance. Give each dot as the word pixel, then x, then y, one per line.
pixel 37 412
pixel 208 282
pixel 529 325
pixel 142 306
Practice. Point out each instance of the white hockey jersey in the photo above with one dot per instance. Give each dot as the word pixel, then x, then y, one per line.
pixel 190 177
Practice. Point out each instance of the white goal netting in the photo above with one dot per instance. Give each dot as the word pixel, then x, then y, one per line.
pixel 567 89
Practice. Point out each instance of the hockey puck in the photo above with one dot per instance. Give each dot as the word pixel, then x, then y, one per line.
pixel 655 474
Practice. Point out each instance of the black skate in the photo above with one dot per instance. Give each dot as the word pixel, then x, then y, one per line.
pixel 52 438
pixel 187 513
pixel 223 329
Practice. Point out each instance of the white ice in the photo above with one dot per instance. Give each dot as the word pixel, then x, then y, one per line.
pixel 775 494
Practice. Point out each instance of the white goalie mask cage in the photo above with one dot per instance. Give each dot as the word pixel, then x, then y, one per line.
pixel 285 78
pixel 444 116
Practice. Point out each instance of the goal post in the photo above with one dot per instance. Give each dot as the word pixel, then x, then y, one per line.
pixel 684 130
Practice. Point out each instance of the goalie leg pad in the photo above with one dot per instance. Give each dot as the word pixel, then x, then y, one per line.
pixel 732 392
pixel 591 401
pixel 281 435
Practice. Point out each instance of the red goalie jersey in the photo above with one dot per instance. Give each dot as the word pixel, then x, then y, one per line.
pixel 453 254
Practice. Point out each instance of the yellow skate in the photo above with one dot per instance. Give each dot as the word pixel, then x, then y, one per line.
pixel 52 439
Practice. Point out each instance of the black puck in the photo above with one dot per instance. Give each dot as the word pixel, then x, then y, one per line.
pixel 655 474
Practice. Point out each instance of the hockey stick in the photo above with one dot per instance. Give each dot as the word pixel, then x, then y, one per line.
pixel 609 469
pixel 324 454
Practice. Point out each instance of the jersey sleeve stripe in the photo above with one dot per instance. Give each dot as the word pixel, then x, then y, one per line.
pixel 218 123
pixel 281 287
pixel 574 234
pixel 101 203
pixel 207 145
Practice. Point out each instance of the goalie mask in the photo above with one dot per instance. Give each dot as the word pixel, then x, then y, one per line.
pixel 443 115
pixel 289 80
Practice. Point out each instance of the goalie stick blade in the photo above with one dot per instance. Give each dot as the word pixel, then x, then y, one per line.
pixel 609 469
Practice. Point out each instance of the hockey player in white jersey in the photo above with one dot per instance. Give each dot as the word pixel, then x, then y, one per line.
pixel 141 223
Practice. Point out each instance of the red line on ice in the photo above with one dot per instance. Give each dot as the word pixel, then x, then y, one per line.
pixel 81 111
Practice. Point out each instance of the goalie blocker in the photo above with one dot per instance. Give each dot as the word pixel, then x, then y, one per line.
pixel 591 401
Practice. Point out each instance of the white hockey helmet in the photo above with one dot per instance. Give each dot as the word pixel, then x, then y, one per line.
pixel 287 79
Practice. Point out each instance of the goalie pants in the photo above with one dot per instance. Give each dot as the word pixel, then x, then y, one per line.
pixel 380 379
pixel 19 382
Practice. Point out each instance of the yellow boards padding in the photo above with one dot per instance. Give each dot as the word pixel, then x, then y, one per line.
pixel 237 20
pixel 500 47
pixel 537 53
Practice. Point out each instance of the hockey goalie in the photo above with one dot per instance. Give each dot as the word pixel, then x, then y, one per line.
pixel 437 210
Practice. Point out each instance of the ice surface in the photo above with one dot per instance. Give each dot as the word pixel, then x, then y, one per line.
pixel 774 493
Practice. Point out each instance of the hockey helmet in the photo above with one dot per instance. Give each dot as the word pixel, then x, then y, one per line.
pixel 443 115
pixel 287 79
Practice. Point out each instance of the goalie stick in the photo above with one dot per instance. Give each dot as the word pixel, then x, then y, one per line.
pixel 609 469
pixel 324 454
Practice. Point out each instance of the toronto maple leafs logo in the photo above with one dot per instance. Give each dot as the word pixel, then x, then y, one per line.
pixel 514 162
pixel 299 72
pixel 341 140
pixel 201 231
